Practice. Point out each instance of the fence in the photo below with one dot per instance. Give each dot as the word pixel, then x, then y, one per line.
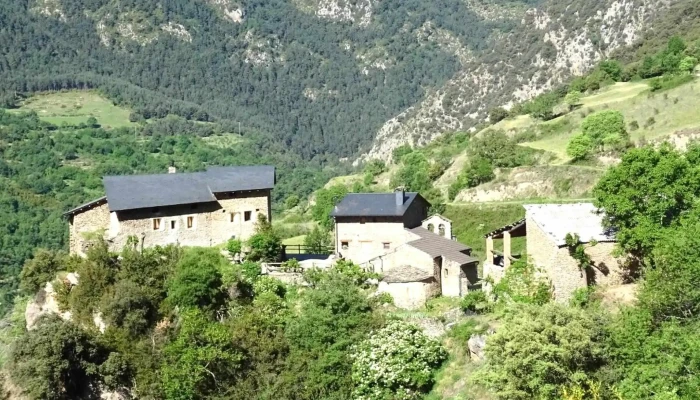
pixel 302 249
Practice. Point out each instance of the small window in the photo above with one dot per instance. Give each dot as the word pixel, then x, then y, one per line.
pixel 446 272
pixel 386 245
pixel 234 217
pixel 173 225
pixel 156 224
pixel 247 215
pixel 344 245
pixel 190 222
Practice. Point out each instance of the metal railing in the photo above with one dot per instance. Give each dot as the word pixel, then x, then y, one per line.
pixel 302 249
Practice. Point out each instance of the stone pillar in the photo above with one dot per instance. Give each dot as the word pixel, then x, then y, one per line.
pixel 506 250
pixel 489 250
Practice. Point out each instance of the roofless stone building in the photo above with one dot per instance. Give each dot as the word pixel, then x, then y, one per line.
pixel 545 227
pixel 191 209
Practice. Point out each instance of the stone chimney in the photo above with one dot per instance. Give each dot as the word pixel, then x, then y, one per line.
pixel 172 170
pixel 400 198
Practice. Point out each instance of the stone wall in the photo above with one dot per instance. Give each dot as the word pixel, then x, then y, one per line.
pixel 563 270
pixel 366 240
pixel 410 295
pixel 403 255
pixel 451 278
pixel 233 215
pixel 81 225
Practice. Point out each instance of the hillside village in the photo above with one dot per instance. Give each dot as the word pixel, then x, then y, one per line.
pixel 537 242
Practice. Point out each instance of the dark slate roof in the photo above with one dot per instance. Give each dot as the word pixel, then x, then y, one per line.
pixel 87 206
pixel 436 246
pixel 145 191
pixel 232 179
pixel 406 273
pixel 373 205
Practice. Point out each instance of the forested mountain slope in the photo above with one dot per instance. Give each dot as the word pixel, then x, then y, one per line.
pixel 319 76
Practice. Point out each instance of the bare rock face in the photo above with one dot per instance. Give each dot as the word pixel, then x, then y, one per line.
pixel 476 344
pixel 44 303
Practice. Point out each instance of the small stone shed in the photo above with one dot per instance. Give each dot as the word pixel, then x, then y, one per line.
pixel 410 287
pixel 545 227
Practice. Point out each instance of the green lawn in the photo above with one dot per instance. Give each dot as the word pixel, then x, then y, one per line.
pixel 293 241
pixel 658 114
pixel 74 107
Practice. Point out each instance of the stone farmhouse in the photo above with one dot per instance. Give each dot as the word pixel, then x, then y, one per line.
pixel 390 233
pixel 545 227
pixel 191 209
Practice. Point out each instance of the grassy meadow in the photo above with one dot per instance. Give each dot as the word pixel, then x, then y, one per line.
pixel 75 107
pixel 657 114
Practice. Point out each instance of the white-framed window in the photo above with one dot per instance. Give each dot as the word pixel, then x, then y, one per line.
pixel 247 215
pixel 173 224
pixel 191 222
pixel 235 217
pixel 386 245
pixel 156 224
pixel 344 245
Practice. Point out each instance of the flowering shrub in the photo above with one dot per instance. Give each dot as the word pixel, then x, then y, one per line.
pixel 396 362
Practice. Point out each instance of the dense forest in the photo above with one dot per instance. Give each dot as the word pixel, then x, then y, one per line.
pixel 44 53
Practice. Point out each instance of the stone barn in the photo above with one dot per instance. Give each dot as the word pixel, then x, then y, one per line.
pixel 545 227
pixel 191 209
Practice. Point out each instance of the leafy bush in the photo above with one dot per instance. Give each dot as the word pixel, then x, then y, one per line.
pixel 523 283
pixel 40 270
pixel 413 173
pixel 582 297
pixel 580 147
pixel 399 152
pixel 234 247
pixel 201 355
pixel 266 284
pixel 475 301
pixel 291 202
pixel 291 265
pixel 326 199
pixel 57 361
pixel 265 244
pixel 318 241
pixel 197 280
pixel 606 128
pixel 463 331
pixel 501 150
pixel 634 346
pixel 497 114
pixel 539 349
pixel 250 271
pixel 657 186
pixel 129 306
pixel 397 362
